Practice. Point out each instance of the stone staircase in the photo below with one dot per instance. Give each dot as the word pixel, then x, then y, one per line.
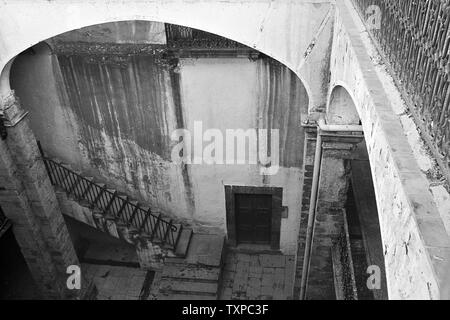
pixel 198 275
pixel 116 213
pixel 193 263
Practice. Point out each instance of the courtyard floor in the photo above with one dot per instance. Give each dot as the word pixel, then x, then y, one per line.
pixel 253 276
pixel 119 283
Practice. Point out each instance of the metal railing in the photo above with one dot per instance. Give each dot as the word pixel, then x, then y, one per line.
pixel 414 37
pixel 112 205
pixel 185 37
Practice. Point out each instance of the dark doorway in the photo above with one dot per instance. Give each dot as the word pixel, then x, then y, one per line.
pixel 16 282
pixel 253 218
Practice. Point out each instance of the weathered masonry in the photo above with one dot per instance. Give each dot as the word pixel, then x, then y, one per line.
pixel 91 92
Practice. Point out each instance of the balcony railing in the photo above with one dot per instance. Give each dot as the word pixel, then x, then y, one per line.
pixel 187 41
pixel 414 37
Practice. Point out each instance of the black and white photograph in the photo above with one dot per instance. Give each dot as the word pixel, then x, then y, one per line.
pixel 225 155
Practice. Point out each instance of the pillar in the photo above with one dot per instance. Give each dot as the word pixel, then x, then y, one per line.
pixel 29 201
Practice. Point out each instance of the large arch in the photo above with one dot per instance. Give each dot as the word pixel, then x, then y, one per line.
pixel 257 24
pixel 72 146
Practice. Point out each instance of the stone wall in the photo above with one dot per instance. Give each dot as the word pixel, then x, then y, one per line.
pixel 29 201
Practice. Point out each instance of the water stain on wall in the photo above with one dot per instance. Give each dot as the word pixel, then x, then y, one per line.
pixel 126 115
pixel 282 96
pixel 129 103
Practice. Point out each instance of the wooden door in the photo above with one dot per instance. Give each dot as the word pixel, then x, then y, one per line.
pixel 253 218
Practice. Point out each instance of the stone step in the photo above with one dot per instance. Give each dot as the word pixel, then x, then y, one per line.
pixel 188 287
pixel 203 249
pixel 206 249
pixel 175 261
pixel 191 273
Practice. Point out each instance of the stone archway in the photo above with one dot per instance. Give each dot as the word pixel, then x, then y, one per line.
pixel 285 241
pixel 255 24
pixel 341 108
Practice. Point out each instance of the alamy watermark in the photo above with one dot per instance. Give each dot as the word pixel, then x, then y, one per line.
pixel 74 279
pixel 229 147
pixel 373 17
pixel 374 280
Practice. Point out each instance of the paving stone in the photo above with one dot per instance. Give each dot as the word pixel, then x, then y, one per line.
pixel 268 271
pixel 226 295
pixel 254 283
pixel 253 294
pixel 274 261
pixel 279 275
pixel 242 266
pixel 266 290
pixel 206 249
pixel 256 270
pixel 189 286
pixel 267 280
pixel 254 261
pixel 230 267
pixel 279 295
pixel 255 276
pixel 240 284
pixel 228 275
pixel 241 257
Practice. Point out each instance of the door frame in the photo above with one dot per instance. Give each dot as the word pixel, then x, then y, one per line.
pixel 277 209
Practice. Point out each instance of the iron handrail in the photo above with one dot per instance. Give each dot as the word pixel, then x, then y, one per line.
pixel 109 202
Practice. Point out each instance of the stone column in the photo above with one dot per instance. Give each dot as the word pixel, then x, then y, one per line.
pixel 29 201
